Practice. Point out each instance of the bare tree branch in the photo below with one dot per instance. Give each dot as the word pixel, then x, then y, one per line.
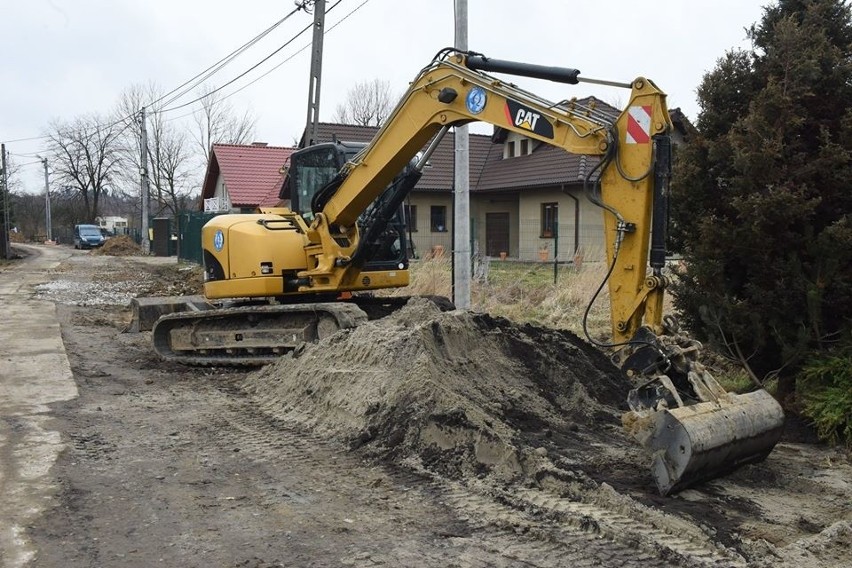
pixel 86 156
pixel 217 123
pixel 366 104
pixel 170 168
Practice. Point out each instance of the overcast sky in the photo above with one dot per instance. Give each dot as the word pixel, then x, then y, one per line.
pixel 65 58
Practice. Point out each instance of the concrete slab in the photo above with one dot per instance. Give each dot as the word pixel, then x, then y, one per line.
pixel 34 372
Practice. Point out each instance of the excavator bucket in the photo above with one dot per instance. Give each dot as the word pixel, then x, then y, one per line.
pixel 692 443
pixel 693 428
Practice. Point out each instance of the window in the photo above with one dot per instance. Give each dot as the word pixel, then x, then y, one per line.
pixel 438 218
pixel 525 147
pixel 411 217
pixel 510 152
pixel 549 220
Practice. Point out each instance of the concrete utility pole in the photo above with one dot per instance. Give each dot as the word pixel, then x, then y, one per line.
pixel 316 74
pixel 7 249
pixel 144 190
pixel 47 220
pixel 461 202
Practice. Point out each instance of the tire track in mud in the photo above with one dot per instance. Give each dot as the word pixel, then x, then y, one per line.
pixel 498 526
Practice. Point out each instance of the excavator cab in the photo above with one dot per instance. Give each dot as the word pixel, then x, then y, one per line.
pixel 312 178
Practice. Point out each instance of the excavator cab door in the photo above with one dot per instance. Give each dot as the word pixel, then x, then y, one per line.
pixel 312 179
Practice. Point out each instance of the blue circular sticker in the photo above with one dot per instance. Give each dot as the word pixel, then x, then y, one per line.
pixel 219 240
pixel 475 100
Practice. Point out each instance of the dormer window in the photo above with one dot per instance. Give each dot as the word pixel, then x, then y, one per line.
pixel 525 147
pixel 510 149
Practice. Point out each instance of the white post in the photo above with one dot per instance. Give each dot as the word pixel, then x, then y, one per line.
pixel 461 194
pixel 144 191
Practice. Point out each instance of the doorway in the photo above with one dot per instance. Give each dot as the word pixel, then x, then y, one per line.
pixel 496 233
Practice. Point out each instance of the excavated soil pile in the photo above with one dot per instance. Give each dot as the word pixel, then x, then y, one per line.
pixel 459 393
pixel 119 246
pixel 174 280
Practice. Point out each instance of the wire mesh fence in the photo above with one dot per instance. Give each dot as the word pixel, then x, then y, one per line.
pixel 526 241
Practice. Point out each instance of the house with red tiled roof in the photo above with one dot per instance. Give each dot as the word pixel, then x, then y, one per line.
pixel 240 178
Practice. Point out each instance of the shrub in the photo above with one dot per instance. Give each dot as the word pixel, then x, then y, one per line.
pixel 825 391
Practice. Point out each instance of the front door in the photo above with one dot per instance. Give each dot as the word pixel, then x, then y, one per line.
pixel 496 233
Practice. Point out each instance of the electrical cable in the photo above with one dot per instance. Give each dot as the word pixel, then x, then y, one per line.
pixel 23 139
pixel 250 69
pixel 219 65
pixel 303 48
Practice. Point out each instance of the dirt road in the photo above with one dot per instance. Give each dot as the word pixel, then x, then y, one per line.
pixel 201 467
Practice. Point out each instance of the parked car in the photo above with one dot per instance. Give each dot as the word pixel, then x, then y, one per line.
pixel 87 236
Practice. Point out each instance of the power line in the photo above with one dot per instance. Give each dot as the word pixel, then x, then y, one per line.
pixel 218 66
pixel 250 69
pixel 23 139
pixel 303 48
pixel 126 120
pixel 255 80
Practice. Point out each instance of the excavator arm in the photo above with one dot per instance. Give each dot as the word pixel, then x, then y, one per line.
pixel 452 91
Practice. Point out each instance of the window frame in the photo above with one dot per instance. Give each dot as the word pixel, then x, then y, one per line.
pixel 434 224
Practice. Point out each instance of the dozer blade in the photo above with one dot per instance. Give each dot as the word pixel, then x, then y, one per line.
pixel 700 441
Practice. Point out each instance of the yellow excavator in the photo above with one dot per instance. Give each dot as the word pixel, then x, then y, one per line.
pixel 288 275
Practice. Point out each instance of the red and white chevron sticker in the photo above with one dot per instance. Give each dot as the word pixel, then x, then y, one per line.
pixel 638 125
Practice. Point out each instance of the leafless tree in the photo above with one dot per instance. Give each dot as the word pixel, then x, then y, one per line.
pixel 367 104
pixel 13 174
pixel 28 214
pixel 171 174
pixel 85 154
pixel 218 123
pixel 169 156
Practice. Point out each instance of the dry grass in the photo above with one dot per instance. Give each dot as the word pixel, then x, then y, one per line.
pixel 525 292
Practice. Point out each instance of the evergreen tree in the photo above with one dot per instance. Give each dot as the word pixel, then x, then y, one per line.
pixel 763 193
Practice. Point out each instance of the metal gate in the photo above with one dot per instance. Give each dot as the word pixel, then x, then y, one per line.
pixel 189 235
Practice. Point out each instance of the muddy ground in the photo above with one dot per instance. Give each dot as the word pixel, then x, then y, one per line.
pixel 426 439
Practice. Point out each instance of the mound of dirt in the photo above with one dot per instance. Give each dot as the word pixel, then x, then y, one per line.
pixel 174 280
pixel 461 394
pixel 119 246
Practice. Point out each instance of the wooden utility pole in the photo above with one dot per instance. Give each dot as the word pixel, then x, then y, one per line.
pixel 47 220
pixel 6 248
pixel 316 74
pixel 461 194
pixel 144 189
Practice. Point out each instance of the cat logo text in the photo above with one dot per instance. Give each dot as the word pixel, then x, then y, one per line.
pixel 526 118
